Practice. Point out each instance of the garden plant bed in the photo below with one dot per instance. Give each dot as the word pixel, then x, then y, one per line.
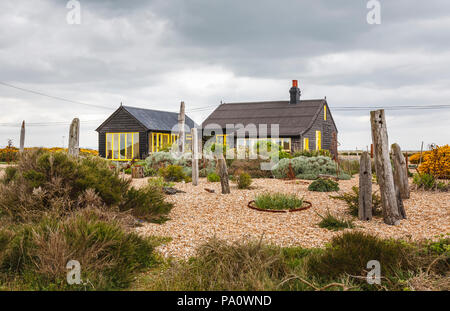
pixel 251 205
pixel 199 215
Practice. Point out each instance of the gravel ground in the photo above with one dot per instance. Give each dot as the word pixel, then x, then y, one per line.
pixel 199 215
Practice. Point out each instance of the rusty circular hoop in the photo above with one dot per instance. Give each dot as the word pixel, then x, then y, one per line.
pixel 307 203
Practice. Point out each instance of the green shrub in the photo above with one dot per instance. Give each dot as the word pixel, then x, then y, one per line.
pixel 312 153
pixel 352 200
pixel 310 167
pixel 243 181
pixel 442 186
pixel 334 223
pixel 213 177
pixel 147 203
pixel 172 173
pixel 245 266
pixel 127 171
pixel 149 171
pixel 10 174
pixel 59 184
pixel 36 257
pixel 159 182
pixel 425 181
pixel 350 252
pixel 440 247
pixel 323 185
pixel 278 201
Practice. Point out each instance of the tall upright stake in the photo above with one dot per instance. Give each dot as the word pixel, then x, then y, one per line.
pixel 194 156
pixel 365 187
pixel 400 171
pixel 22 137
pixel 223 174
pixel 391 215
pixel 74 138
pixel 181 119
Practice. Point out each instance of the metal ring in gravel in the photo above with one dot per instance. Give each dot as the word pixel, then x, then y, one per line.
pixel 308 205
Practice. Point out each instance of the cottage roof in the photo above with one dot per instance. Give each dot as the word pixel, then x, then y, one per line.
pixel 293 119
pixel 156 120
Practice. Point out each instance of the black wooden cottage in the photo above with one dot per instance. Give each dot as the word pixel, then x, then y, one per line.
pixel 133 133
pixel 303 124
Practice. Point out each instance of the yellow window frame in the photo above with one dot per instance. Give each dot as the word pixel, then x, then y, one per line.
pixel 318 140
pixel 156 140
pixel 119 134
pixel 325 113
pixel 224 139
pixel 306 143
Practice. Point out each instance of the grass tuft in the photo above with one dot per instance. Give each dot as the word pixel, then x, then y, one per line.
pixel 278 201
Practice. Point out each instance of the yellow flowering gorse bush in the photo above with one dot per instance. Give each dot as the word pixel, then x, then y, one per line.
pixel 436 162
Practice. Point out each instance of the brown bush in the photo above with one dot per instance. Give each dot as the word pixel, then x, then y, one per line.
pixel 252 167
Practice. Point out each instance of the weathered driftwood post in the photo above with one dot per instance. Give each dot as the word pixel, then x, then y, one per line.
pixel 22 137
pixel 181 119
pixel 400 171
pixel 137 172
pixel 223 173
pixel 194 156
pixel 391 215
pixel 365 188
pixel 74 138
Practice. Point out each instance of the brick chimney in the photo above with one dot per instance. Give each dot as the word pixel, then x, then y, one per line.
pixel 295 93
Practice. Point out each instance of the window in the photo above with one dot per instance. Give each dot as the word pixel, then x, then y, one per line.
pixel 250 143
pixel 159 141
pixel 306 144
pixel 318 140
pixel 221 139
pixel 122 146
pixel 109 149
pixel 325 113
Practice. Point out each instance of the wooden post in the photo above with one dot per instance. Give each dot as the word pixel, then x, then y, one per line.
pixel 223 174
pixel 365 188
pixel 421 150
pixel 74 138
pixel 137 172
pixel 181 121
pixel 194 156
pixel 391 215
pixel 22 137
pixel 400 171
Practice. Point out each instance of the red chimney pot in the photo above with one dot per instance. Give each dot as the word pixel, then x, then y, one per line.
pixel 294 83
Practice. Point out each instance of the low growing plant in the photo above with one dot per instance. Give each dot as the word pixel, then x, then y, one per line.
pixel 323 185
pixel 278 201
pixel 173 173
pixel 213 177
pixel 334 223
pixel 352 200
pixel 243 181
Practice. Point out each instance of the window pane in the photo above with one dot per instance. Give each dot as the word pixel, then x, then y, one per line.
pixel 123 150
pixel 135 145
pixel 286 143
pixel 129 154
pixel 109 146
pixel 150 142
pixel 115 146
pixel 165 140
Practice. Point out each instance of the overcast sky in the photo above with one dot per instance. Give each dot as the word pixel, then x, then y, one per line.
pixel 153 54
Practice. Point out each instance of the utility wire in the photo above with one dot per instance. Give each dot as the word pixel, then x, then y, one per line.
pixel 54 97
